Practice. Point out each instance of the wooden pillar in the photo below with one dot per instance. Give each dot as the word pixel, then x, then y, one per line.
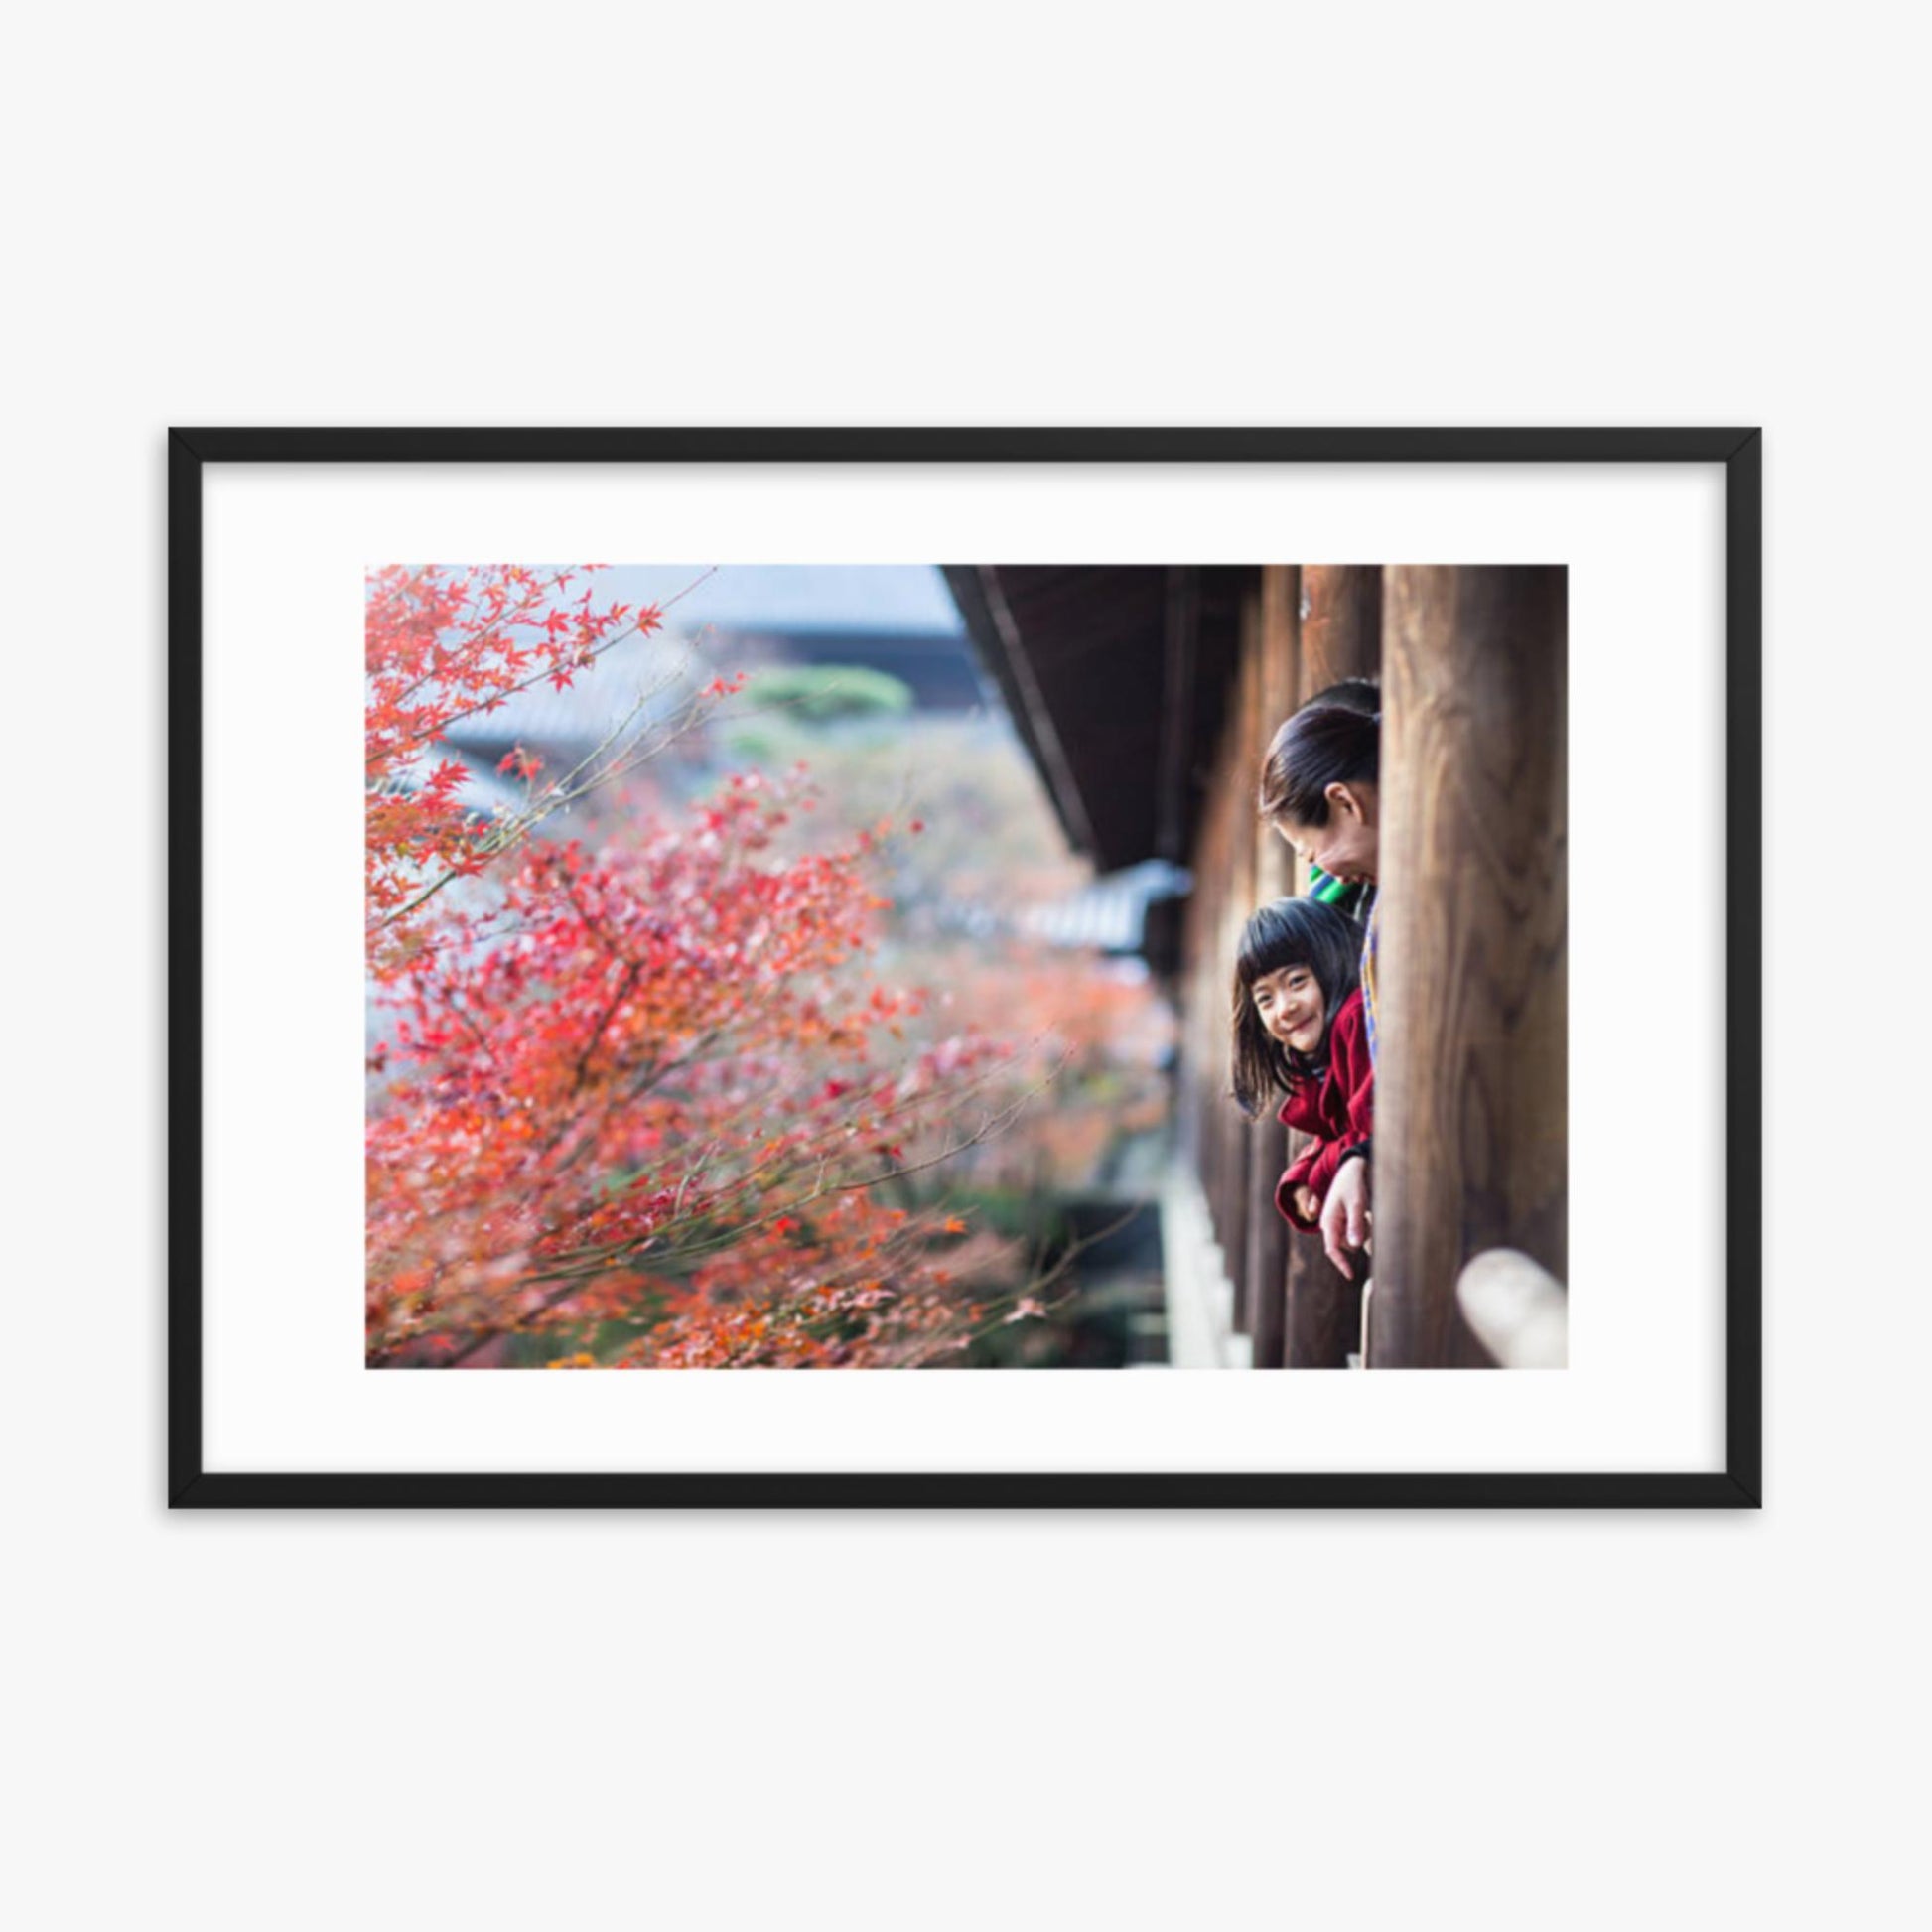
pixel 1325 1307
pixel 1341 637
pixel 1232 775
pixel 1271 877
pixel 1280 680
pixel 1342 625
pixel 1471 1090
pixel 1200 1075
pixel 1223 1163
pixel 1181 646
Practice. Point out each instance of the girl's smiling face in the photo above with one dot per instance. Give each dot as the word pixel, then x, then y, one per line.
pixel 1292 1007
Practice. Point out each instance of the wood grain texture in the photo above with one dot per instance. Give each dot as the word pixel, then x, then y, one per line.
pixel 1267 1238
pixel 1248 1241
pixel 1340 635
pixel 1471 1090
pixel 1272 877
pixel 1342 625
pixel 1280 677
pixel 1325 1307
pixel 1220 1131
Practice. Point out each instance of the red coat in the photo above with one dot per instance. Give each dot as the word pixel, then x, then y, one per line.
pixel 1338 1109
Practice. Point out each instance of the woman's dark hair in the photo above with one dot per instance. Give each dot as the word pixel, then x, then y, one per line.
pixel 1323 744
pixel 1288 932
pixel 1362 694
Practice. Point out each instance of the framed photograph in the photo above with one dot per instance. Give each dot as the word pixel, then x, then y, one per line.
pixel 1102 924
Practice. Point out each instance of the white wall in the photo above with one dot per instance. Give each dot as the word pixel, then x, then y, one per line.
pixel 1673 213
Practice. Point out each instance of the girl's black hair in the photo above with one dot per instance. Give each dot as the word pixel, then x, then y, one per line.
pixel 1323 744
pixel 1288 932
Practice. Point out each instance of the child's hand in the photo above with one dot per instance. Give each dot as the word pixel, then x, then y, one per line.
pixel 1346 1216
pixel 1307 1204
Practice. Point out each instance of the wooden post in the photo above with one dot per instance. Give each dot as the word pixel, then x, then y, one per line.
pixel 1181 642
pixel 1341 637
pixel 1223 1163
pixel 1271 877
pixel 1231 779
pixel 1325 1307
pixel 1471 1086
pixel 1280 679
pixel 1342 625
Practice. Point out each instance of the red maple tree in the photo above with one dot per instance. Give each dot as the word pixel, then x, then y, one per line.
pixel 645 1104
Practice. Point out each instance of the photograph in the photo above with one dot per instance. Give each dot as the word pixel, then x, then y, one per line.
pixel 965 966
pixel 1049 703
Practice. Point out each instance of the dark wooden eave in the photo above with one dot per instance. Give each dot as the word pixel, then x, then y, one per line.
pixel 1117 677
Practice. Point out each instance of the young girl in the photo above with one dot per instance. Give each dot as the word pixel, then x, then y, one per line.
pixel 1298 1030
pixel 1319 789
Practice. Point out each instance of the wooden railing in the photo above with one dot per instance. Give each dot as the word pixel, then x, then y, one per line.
pixel 1516 1308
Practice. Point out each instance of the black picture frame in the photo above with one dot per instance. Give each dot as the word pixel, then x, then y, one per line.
pixel 191 1485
